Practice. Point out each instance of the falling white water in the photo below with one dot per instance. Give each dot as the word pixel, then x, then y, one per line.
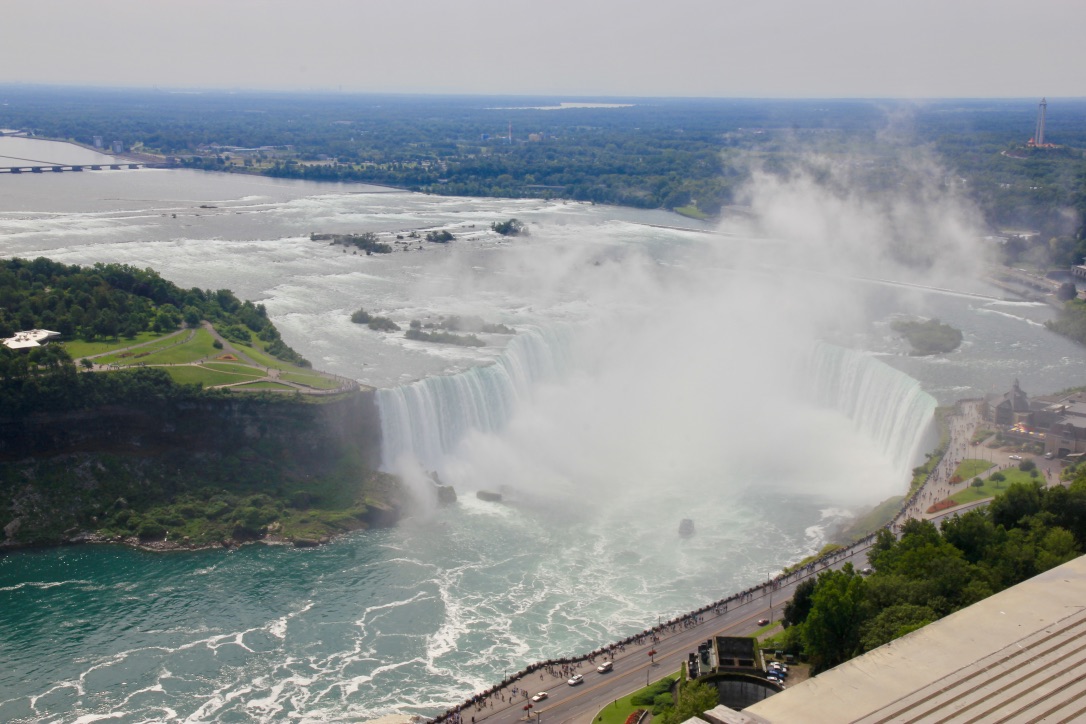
pixel 426 419
pixel 884 404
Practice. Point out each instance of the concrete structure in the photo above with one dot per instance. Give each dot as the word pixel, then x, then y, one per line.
pixel 1039 134
pixel 1010 408
pixel 30 338
pixel 1016 656
pixel 1056 422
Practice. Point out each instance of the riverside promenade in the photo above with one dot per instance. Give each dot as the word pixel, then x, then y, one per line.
pixel 736 615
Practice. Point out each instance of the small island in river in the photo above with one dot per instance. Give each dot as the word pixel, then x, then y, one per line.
pixel 928 337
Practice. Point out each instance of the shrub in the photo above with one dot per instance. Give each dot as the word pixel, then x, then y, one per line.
pixel 648 695
pixel 513 227
pixel 150 529
pixel 237 333
pixel 439 237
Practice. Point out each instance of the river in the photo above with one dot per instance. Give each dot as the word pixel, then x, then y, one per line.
pixel 678 387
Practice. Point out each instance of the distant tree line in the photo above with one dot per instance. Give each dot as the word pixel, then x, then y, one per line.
pixel 655 153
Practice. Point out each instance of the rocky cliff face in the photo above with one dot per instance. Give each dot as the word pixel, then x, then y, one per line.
pixel 61 474
pixel 309 433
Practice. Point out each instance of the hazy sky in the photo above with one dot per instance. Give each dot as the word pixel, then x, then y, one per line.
pixel 783 48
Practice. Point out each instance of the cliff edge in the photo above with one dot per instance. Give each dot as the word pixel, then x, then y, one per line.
pixel 195 472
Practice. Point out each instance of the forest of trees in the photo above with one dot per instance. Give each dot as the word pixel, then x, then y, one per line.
pixel 932 572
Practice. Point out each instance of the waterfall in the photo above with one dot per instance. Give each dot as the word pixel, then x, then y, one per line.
pixel 883 403
pixel 427 418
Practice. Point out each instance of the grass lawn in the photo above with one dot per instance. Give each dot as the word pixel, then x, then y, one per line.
pixel 971 468
pixel 874 519
pixel 78 348
pixel 198 348
pixel 692 211
pixel 235 368
pixel 208 378
pixel 261 357
pixel 265 386
pixel 137 356
pixel 991 489
pixel 317 381
pixel 616 713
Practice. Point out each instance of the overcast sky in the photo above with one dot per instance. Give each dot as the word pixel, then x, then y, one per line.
pixel 769 48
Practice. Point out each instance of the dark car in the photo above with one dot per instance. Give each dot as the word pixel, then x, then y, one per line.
pixel 763 622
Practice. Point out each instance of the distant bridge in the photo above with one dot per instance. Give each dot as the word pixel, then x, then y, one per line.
pixel 61 167
pixel 32 165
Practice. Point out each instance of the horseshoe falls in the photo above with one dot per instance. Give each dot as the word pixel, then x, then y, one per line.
pixel 427 419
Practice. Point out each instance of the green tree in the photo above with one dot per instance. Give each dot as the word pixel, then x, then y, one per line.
pixel 894 622
pixel 1019 501
pixel 512 227
pixel 798 607
pixel 973 534
pixel 832 630
pixel 695 698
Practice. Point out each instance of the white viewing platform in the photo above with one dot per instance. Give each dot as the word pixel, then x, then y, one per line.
pixel 30 338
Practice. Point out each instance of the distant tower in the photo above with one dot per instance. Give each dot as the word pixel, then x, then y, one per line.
pixel 510 132
pixel 1039 135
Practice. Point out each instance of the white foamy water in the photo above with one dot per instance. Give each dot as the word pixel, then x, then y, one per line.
pixel 651 379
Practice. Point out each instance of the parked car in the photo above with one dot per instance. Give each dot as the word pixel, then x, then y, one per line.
pixel 605 667
pixel 575 679
pixel 1015 457
pixel 540 696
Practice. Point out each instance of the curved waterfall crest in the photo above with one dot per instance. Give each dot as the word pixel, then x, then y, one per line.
pixel 427 418
pixel 884 403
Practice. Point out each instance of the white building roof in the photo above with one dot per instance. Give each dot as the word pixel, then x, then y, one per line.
pixel 30 338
